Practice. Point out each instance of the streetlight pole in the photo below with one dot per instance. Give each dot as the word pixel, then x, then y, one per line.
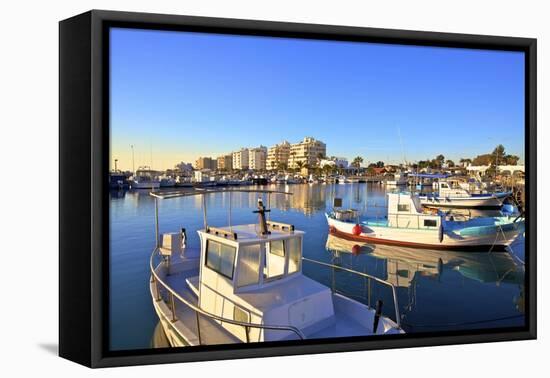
pixel 133 166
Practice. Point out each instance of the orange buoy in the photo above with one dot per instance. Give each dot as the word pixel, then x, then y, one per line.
pixel 355 249
pixel 356 230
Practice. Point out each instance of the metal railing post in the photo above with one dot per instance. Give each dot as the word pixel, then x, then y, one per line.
pixel 369 291
pixel 157 236
pixel 204 212
pixel 198 328
pixel 173 307
pixel 157 290
pixel 229 216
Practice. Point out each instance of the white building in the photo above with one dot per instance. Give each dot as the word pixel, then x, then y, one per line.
pixel 278 155
pixel 257 158
pixel 202 176
pixel 241 159
pixel 339 162
pixel 308 152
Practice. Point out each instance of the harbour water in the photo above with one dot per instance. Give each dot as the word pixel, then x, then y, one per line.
pixel 437 290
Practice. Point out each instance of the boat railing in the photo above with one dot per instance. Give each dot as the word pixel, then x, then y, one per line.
pixel 369 279
pixel 174 296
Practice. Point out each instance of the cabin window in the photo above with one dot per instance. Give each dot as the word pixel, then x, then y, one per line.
pixel 430 223
pixel 274 259
pixel 240 315
pixel 249 265
pixel 403 207
pixel 277 247
pixel 294 248
pixel 220 258
pixel 403 273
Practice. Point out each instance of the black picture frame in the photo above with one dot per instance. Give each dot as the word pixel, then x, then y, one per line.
pixel 84 214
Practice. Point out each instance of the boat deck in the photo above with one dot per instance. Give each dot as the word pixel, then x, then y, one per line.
pixel 210 331
pixel 343 326
pixel 351 318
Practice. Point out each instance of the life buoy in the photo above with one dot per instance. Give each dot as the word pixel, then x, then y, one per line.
pixel 356 230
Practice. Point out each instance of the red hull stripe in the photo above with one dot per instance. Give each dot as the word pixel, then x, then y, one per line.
pixel 368 239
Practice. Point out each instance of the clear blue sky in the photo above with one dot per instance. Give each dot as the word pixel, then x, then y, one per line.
pixel 179 95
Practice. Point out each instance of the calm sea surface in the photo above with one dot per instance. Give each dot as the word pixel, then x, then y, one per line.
pixel 436 290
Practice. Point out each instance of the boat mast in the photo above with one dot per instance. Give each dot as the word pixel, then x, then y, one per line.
pixel 261 212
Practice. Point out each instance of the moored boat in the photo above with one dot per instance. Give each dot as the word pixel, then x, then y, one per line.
pixel 399 179
pixel 408 224
pixel 167 182
pixel 145 178
pixel 245 284
pixel 449 196
pixel 117 180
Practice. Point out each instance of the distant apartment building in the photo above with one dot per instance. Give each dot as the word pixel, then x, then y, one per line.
pixel 206 163
pixel 240 159
pixel 257 158
pixel 278 155
pixel 225 162
pixel 308 152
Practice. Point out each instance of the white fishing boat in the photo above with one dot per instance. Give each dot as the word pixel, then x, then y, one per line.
pixel 312 180
pixel 290 180
pixel 408 224
pixel 145 178
pixel 449 194
pixel 399 179
pixel 353 180
pixel 245 284
pixel 184 182
pixel 167 182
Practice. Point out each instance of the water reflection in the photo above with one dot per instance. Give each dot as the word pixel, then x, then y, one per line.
pixel 404 263
pixel 436 290
pixel 456 274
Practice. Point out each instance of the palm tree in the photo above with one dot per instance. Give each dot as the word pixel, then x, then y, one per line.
pixel 357 161
pixel 282 166
pixel 293 156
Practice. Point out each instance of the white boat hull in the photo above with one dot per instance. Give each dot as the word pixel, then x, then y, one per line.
pixel 427 238
pixel 145 185
pixel 490 201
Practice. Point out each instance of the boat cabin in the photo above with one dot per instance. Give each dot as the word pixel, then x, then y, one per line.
pixel 450 188
pixel 406 211
pixel 255 278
